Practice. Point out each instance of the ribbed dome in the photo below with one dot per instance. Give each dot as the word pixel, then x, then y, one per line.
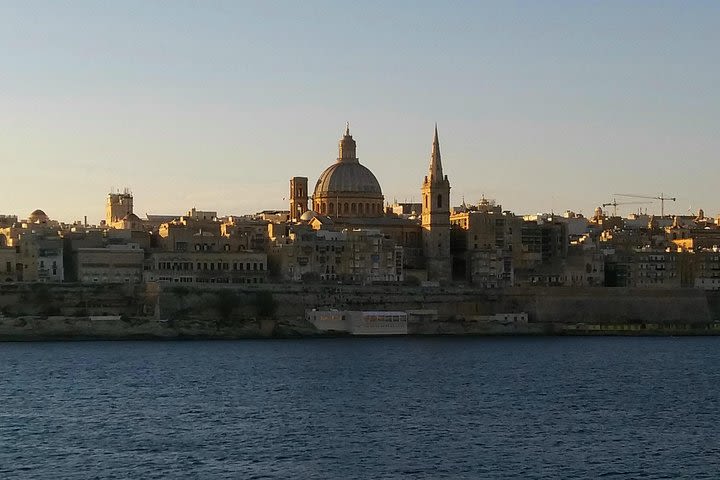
pixel 347 177
pixel 38 216
pixel 347 188
pixel 307 216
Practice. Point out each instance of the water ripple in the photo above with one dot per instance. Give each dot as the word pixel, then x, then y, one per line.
pixel 611 408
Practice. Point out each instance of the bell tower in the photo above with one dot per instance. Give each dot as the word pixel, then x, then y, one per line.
pixel 118 206
pixel 436 218
pixel 298 197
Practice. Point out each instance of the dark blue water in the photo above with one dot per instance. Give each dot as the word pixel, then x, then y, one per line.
pixel 362 408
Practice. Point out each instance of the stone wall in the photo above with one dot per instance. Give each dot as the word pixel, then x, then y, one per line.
pixel 29 311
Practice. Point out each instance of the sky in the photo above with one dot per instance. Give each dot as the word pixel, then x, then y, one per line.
pixel 543 105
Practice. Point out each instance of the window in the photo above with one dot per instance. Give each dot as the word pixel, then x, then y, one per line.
pixel 439 201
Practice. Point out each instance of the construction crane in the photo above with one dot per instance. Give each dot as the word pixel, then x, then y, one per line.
pixel 615 204
pixel 662 199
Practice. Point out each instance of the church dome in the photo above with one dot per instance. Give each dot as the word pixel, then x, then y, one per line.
pixel 38 216
pixel 307 216
pixel 347 188
pixel 344 177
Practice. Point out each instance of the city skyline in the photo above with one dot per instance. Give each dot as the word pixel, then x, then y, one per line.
pixel 543 107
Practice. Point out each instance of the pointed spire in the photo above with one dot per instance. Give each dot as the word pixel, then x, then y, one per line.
pixel 347 129
pixel 436 172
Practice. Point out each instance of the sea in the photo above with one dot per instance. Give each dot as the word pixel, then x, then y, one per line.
pixel 362 408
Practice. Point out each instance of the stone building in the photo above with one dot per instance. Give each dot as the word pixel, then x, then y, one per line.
pixel 8 220
pixel 41 257
pixel 646 268
pixel 206 267
pixel 481 243
pixel 38 246
pixel 350 256
pixel 110 264
pixel 9 264
pixel 246 233
pixel 707 271
pixel 203 231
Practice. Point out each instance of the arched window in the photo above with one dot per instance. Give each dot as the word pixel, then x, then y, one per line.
pixel 347 208
pixel 439 201
pixel 367 208
pixel 354 208
pixel 360 208
pixel 332 207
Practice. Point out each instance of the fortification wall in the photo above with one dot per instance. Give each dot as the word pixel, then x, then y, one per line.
pixel 31 311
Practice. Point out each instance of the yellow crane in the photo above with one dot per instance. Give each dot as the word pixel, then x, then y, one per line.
pixel 662 199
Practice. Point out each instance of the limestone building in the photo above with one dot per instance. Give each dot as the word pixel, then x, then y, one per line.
pixel 359 256
pixel 41 256
pixel 39 248
pixel 436 218
pixel 481 244
pixel 110 264
pixel 207 267
pixel 8 264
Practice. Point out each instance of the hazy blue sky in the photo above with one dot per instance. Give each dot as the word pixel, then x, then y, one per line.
pixel 540 105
